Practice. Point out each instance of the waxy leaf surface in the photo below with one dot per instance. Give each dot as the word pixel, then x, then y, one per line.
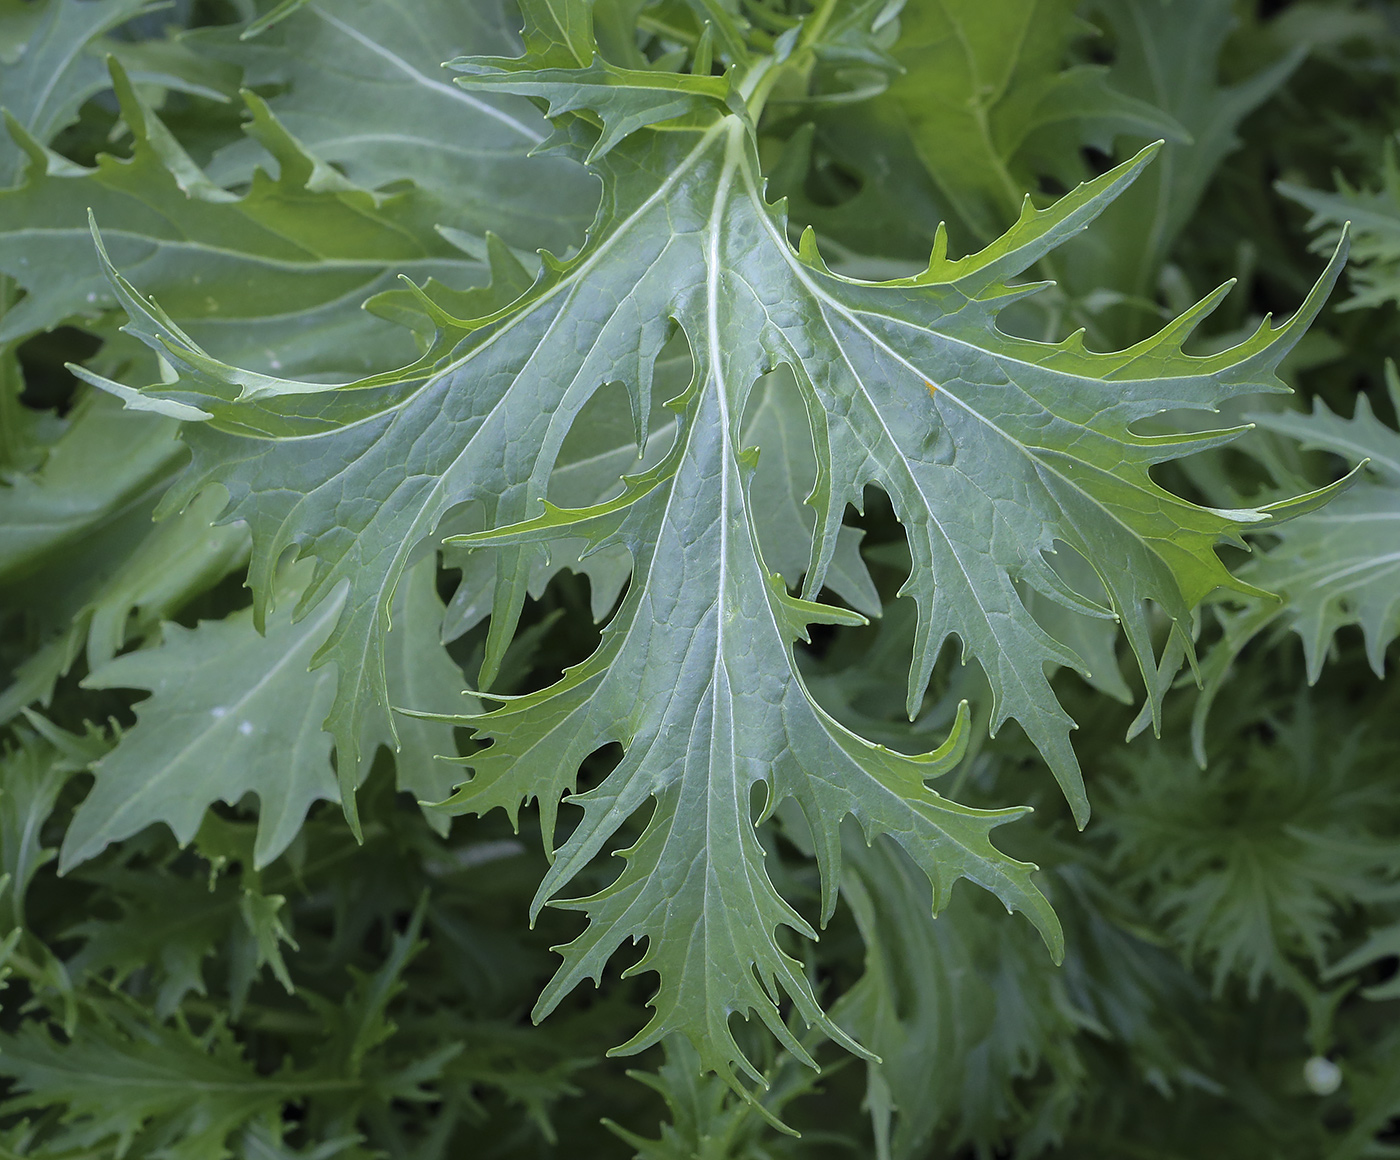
pixel 994 451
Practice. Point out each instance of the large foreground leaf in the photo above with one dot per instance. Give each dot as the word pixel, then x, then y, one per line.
pixel 993 450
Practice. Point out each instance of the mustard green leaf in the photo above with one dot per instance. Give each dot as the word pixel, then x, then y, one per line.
pixel 273 278
pixel 234 711
pixel 126 1071
pixel 993 450
pixel 49 66
pixel 1171 56
pixel 1374 217
pixel 362 87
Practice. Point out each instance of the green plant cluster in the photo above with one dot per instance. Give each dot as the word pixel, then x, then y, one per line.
pixel 539 544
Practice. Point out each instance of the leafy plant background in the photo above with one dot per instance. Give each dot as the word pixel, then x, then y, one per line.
pixel 204 958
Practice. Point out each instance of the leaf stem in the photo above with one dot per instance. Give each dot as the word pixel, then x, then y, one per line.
pixel 757 86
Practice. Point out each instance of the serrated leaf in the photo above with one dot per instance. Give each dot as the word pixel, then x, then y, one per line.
pixel 234 711
pixel 123 1072
pixel 1328 569
pixel 1340 566
pixel 162 928
pixel 47 68
pixel 360 79
pixel 992 449
pixel 274 278
pixel 563 71
pixel 957 1009
pixel 1248 862
pixel 707 1119
pixel 1374 217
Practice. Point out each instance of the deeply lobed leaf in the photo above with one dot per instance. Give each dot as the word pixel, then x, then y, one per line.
pixel 995 451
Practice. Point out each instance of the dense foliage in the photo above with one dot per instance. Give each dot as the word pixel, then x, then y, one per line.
pixel 765 429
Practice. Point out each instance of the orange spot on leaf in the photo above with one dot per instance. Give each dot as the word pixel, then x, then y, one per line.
pixel 932 390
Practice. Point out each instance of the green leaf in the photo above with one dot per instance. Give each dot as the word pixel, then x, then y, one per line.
pixel 1328 569
pixel 958 1008
pixel 1374 217
pixel 162 928
pixel 123 1073
pixel 1248 863
pixel 234 711
pixel 559 37
pixel 1339 566
pixel 994 450
pixel 707 1119
pixel 1168 54
pixel 47 67
pixel 989 105
pixel 360 83
pixel 273 278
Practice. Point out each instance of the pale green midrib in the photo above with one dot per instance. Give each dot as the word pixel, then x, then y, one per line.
pixel 734 161
pixel 719 671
